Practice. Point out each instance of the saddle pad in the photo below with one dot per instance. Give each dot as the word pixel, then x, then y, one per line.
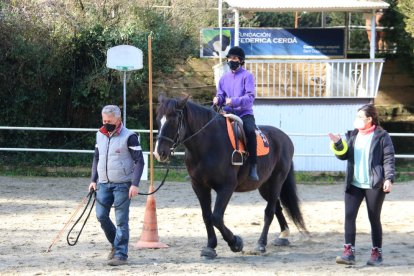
pixel 262 141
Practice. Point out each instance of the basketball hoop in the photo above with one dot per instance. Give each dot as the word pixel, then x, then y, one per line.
pixel 124 58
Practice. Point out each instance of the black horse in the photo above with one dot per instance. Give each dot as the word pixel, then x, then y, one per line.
pixel 208 152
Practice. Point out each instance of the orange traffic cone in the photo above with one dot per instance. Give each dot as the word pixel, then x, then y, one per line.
pixel 149 236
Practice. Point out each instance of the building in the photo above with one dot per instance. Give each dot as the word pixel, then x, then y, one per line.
pixel 309 97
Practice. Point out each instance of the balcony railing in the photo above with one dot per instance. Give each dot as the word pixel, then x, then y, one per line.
pixel 339 78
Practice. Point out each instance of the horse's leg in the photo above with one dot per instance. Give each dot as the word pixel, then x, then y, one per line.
pixel 204 197
pixel 223 197
pixel 269 193
pixel 282 240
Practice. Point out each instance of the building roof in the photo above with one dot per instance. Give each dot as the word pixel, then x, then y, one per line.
pixel 307 5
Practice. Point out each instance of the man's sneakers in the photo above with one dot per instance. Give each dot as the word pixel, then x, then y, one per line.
pixel 111 254
pixel 115 261
pixel 376 257
pixel 348 257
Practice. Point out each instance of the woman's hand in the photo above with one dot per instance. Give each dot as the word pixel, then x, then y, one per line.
pixel 334 138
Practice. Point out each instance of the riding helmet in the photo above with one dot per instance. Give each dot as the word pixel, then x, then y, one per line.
pixel 236 51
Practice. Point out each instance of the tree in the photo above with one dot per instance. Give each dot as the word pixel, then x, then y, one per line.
pixel 407 9
pixel 398 20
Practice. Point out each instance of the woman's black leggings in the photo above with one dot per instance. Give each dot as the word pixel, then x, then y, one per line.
pixel 374 199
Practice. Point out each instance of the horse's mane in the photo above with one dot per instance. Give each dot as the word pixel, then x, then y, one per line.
pixel 168 106
pixel 197 114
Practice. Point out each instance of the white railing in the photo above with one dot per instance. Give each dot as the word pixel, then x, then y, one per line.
pixel 61 129
pixel 302 79
pixel 407 156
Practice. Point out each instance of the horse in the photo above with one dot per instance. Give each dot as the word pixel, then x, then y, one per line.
pixel 208 152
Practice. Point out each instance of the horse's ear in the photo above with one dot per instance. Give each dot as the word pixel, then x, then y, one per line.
pixel 161 98
pixel 181 103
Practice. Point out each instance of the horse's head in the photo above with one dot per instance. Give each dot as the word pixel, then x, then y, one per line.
pixel 170 126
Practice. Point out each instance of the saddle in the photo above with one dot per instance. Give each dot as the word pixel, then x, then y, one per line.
pixel 238 140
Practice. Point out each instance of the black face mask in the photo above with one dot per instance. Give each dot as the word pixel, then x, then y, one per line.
pixel 109 127
pixel 234 65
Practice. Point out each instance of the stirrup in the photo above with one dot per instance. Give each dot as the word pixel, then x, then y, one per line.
pixel 237 153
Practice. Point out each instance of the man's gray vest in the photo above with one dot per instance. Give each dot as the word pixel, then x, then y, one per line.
pixel 115 162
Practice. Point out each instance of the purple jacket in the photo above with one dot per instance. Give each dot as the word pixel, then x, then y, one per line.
pixel 238 86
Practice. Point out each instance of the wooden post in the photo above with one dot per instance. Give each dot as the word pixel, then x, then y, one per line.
pixel 296 20
pixel 149 237
pixel 150 110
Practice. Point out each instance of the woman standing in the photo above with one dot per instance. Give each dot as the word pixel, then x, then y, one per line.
pixel 370 175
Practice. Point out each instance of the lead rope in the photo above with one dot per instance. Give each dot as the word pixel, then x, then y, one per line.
pixel 91 193
pixel 67 223
pixel 89 196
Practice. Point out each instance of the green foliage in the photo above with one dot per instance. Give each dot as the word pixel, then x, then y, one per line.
pixel 279 20
pixel 407 9
pixel 402 15
pixel 399 20
pixel 53 65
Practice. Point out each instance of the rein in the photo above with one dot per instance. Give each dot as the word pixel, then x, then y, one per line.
pixel 198 131
pixel 175 141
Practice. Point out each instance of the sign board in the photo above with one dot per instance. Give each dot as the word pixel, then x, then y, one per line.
pixel 276 43
pixel 124 58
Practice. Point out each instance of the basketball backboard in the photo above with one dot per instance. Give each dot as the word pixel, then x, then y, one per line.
pixel 124 58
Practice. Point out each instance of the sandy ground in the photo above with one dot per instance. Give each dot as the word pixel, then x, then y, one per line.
pixel 33 210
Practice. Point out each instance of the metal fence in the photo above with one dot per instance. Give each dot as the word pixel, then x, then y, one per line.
pixel 405 156
pixel 333 78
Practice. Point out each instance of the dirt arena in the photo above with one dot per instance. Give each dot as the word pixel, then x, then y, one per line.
pixel 33 210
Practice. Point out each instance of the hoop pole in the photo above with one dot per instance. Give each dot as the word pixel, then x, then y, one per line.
pixel 150 110
pixel 220 17
pixel 125 74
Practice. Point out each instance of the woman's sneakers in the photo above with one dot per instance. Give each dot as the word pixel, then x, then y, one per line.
pixel 376 256
pixel 348 257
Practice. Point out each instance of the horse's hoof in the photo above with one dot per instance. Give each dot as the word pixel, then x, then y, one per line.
pixel 260 248
pixel 281 242
pixel 238 244
pixel 208 253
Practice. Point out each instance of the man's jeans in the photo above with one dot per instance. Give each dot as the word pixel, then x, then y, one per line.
pixel 116 194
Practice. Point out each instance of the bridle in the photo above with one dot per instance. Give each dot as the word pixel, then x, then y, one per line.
pixel 176 140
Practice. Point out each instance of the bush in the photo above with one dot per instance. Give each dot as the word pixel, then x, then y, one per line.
pixel 53 66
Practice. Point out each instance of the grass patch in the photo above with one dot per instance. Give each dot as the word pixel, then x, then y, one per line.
pixel 319 177
pixel 174 175
pixel 404 174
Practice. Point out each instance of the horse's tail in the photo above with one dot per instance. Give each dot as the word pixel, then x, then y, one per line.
pixel 291 202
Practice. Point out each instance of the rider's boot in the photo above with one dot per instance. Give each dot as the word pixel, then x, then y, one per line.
pixel 253 172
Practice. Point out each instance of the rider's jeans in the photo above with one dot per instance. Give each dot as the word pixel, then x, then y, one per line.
pixel 108 194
